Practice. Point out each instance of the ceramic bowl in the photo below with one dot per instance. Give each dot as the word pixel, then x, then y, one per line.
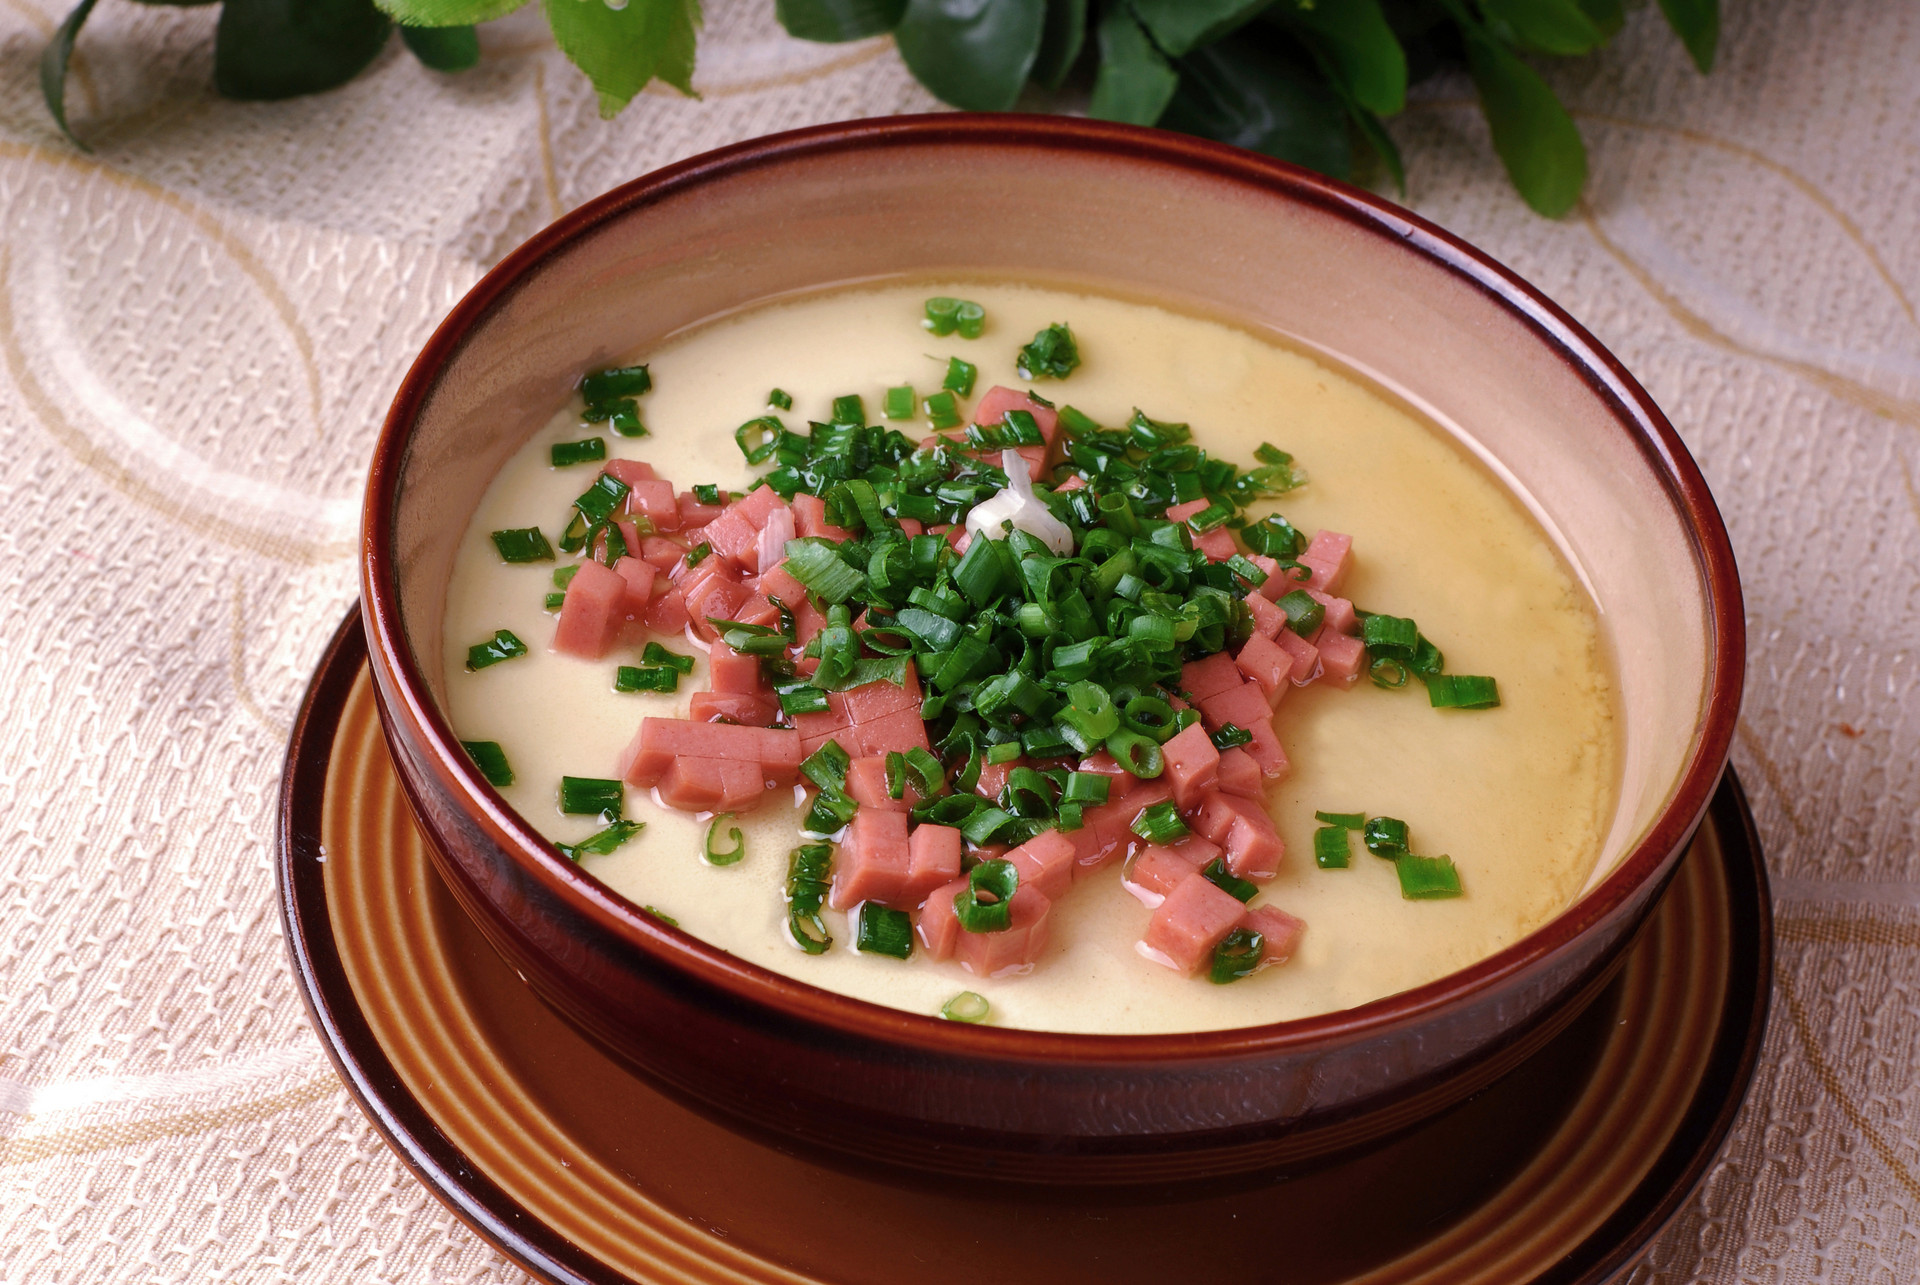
pixel 1188 223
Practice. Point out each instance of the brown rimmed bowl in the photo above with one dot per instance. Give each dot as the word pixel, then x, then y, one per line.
pixel 1191 224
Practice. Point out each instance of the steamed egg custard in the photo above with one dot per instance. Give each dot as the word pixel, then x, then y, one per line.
pixel 1035 657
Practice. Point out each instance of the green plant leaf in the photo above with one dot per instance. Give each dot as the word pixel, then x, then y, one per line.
pixel 268 49
pixel 176 4
pixel 53 67
pixel 1061 40
pixel 1255 91
pixel 1608 15
pixel 1382 144
pixel 1533 134
pixel 447 13
pixel 443 48
pixel 622 49
pixel 1181 26
pixel 835 21
pixel 972 53
pixel 1550 26
pixel 1136 81
pixel 1697 23
pixel 1360 48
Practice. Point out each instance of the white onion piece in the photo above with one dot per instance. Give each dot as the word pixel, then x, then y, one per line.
pixel 1020 508
pixel 774 536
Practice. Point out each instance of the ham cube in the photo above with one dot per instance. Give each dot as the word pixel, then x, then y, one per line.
pixel 810 516
pixel 1004 954
pixel 734 538
pixel 748 709
pixel 935 924
pixel 1342 657
pixel 1217 544
pixel 661 741
pixel 993 777
pixel 867 783
pixel 1264 749
pixel 716 597
pixel 1305 656
pixel 592 613
pixel 713 785
pixel 770 546
pixel 892 734
pixel 933 861
pixel 667 612
pixel 630 472
pixel 1193 919
pixel 734 671
pixel 1209 676
pixel 778 582
pixel 1254 848
pixel 873 862
pixel 1328 553
pixel 1154 871
pixel 816 730
pixel 695 514
pixel 1276 585
pixel 1239 774
pixel 1268 664
pixel 1181 512
pixel 655 501
pixel 1191 763
pixel 1213 819
pixel 1242 705
pixel 1279 933
pixel 994 404
pixel 1340 615
pixel 1268 619
pixel 640 576
pixel 664 554
pixel 1045 863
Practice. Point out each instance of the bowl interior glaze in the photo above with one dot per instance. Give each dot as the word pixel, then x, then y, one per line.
pixel 1186 224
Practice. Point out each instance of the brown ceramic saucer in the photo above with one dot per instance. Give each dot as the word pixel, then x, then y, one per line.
pixel 1562 1171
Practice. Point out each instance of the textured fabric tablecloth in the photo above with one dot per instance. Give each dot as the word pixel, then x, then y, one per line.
pixel 202 322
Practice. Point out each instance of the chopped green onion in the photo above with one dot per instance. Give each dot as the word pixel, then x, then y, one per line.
pixel 1388 673
pixel 1161 824
pixel 566 453
pixel 757 438
pixel 996 881
pixel 1237 955
pixel 898 403
pixel 1217 874
pixel 960 376
pixel 1393 634
pixel 880 931
pixel 602 498
pixel 1385 837
pixel 1052 354
pixel 724 856
pixel 709 493
pixel 896 769
pixel 1462 691
pixel 523 544
pixel 603 842
pixel 1138 754
pixel 780 399
pixel 929 777
pixel 968 1006
pixel 986 824
pixel 849 411
pixel 1149 716
pixel 1230 735
pixel 616 381
pixel 1268 453
pixel 827 766
pixel 655 654
pixel 946 316
pixel 1427 878
pixel 661 915
pixel 502 646
pixel 624 418
pixel 555 601
pixel 1273 536
pixel 1086 787
pixel 941 410
pixel 491 760
pixel 563 576
pixel 808 869
pixel 648 678
pixel 592 796
pixel 832 809
pixel 1331 850
pixel 816 563
pixel 1346 820
pixel 698 554
pixel 801 698
pixel 1003 753
pixel 1304 615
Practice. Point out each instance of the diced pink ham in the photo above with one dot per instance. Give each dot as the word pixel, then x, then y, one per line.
pixel 1045 862
pixel 1181 512
pixel 592 613
pixel 1268 620
pixel 712 785
pixel 867 783
pixel 1340 615
pixel 1195 917
pixel 1214 818
pixel 1342 657
pixel 1254 848
pixel 717 597
pixel 993 777
pixel 935 923
pixel 994 404
pixel 1191 762
pixel 1239 774
pixel 1154 871
pixel 1268 664
pixel 1242 705
pixel 1101 763
pixel 1279 933
pixel 630 472
pixel 1275 586
pixel 778 582
pixel 892 733
pixel 663 553
pixel 1073 483
pixel 695 514
pixel 734 671
pixel 1014 950
pixel 1209 676
pixel 760 504
pixel 734 538
pixel 1217 544
pixel 1328 553
pixel 810 516
pixel 933 861
pixel 1264 749
pixel 873 861
pixel 640 576
pixel 750 709
pixel 1306 656
pixel 667 612
pixel 656 502
pixel 660 741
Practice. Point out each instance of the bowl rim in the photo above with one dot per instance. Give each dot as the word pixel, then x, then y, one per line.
pixel 743 982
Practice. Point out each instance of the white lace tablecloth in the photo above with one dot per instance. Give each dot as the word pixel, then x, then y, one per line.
pixel 201 324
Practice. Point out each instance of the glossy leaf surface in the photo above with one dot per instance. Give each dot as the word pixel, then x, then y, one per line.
pixel 835 21
pixel 622 49
pixel 1549 26
pixel 1532 132
pixel 53 65
pixel 1697 23
pixel 1357 44
pixel 1061 40
pixel 1136 82
pixel 972 53
pixel 443 48
pixel 1181 26
pixel 1260 94
pixel 271 49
